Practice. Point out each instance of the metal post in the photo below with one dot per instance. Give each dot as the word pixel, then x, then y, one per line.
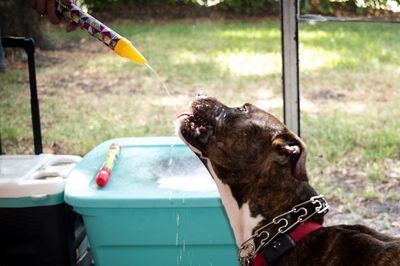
pixel 37 134
pixel 29 46
pixel 290 64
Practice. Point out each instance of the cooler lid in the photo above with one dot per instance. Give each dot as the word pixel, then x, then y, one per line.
pixel 149 172
pixel 34 176
pixel 14 167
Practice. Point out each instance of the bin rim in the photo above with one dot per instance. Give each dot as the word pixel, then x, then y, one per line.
pixel 81 192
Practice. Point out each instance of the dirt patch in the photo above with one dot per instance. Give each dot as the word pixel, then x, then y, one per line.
pixel 368 202
pixel 381 216
pixel 58 147
pixel 348 175
pixel 79 79
pixel 327 95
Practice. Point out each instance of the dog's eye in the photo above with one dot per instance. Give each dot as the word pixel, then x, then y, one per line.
pixel 243 108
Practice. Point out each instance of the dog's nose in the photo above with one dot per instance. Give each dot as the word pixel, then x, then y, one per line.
pixel 201 95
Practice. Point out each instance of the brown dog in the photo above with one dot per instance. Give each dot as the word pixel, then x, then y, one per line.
pixel 258 165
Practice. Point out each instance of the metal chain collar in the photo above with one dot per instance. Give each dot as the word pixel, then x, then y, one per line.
pixel 247 249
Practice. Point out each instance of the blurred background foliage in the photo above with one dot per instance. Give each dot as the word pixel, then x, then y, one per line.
pixel 18 19
pixel 253 7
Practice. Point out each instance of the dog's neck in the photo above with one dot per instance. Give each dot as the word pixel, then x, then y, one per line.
pixel 241 220
pixel 256 201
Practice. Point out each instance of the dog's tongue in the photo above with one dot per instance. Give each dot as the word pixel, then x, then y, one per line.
pixel 183 114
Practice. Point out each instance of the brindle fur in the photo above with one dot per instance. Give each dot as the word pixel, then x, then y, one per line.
pixel 246 147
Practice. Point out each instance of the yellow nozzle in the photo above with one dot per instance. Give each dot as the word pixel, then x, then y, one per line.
pixel 126 49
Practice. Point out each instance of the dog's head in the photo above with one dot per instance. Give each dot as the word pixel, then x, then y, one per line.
pixel 243 138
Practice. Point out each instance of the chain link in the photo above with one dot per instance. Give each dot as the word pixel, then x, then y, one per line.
pixel 247 249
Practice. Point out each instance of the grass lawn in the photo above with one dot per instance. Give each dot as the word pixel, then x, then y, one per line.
pixel 350 76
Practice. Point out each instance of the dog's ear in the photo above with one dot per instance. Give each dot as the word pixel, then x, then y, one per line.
pixel 293 147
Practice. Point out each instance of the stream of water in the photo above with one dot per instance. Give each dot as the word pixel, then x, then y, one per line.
pixel 164 86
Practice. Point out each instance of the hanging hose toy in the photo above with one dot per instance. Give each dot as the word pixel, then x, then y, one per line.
pixel 113 40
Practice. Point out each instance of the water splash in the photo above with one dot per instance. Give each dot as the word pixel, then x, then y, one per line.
pixel 177 220
pixel 179 258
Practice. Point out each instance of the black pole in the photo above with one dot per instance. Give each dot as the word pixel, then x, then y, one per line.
pixel 37 134
pixel 29 46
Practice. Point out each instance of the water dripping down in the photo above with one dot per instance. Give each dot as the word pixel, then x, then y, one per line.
pixel 168 93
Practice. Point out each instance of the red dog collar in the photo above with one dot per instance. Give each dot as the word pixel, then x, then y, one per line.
pixel 287 242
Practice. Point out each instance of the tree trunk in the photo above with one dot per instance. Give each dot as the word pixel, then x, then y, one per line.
pixel 17 18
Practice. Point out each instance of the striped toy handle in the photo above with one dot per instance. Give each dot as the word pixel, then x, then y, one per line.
pixel 88 23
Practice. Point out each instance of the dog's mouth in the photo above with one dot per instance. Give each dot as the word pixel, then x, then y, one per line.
pixel 197 125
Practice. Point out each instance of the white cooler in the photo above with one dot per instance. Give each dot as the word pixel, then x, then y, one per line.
pixel 36 226
pixel 34 180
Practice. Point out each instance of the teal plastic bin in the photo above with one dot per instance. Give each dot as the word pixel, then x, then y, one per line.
pixel 160 207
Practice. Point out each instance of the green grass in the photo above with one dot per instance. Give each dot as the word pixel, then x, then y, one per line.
pixel 349 81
